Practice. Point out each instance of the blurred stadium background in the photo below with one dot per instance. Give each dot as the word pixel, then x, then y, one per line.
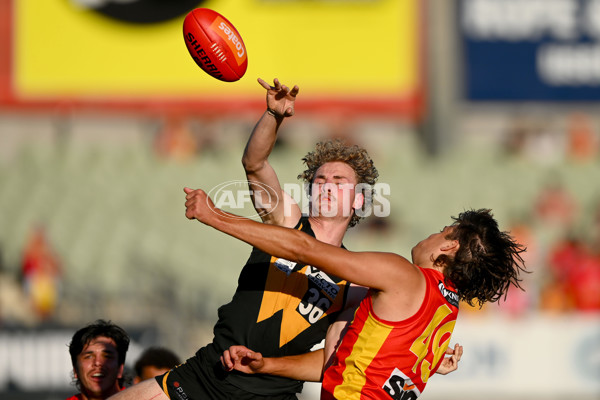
pixel 104 118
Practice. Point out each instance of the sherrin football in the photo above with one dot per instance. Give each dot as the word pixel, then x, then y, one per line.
pixel 215 44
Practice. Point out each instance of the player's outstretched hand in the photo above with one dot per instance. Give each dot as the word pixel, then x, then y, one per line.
pixel 198 205
pixel 241 358
pixel 280 98
pixel 451 363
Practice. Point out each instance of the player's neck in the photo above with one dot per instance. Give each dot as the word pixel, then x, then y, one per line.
pixel 90 396
pixel 85 395
pixel 432 265
pixel 329 230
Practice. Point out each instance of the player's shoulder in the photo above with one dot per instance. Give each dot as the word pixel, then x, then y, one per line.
pixel 406 274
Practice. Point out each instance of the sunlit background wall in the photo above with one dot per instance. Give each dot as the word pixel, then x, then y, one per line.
pixel 104 118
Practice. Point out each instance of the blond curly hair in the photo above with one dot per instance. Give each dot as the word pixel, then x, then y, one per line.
pixel 337 150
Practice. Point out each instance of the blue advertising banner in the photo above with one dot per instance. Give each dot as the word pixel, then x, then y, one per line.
pixel 530 50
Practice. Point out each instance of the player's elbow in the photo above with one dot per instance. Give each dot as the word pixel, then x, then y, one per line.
pixel 251 165
pixel 303 248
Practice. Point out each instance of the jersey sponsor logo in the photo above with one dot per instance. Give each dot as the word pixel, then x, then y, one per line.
pixel 179 391
pixel 285 265
pixel 449 295
pixel 400 387
pixel 322 281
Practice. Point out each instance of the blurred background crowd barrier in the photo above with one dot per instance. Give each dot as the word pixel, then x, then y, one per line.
pixel 104 118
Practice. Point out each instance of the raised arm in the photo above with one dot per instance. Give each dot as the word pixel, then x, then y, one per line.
pixel 270 201
pixel 387 272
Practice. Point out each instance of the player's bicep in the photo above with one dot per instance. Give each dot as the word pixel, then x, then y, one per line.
pixel 375 270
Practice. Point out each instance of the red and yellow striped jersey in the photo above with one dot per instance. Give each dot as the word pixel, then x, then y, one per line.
pixel 380 359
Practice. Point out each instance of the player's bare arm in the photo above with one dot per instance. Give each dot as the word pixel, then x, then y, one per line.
pixel 303 367
pixel 270 201
pixel 306 367
pixel 393 276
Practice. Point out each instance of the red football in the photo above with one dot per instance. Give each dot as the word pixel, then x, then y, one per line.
pixel 215 44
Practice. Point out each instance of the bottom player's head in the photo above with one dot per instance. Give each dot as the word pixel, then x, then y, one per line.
pixel 154 361
pixel 98 357
pixel 357 158
pixel 487 260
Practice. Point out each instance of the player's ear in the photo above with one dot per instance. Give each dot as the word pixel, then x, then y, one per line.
pixel 450 245
pixel 359 201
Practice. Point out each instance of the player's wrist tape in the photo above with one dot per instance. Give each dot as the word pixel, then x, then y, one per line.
pixel 274 114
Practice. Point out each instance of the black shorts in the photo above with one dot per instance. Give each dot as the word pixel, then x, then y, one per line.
pixel 189 381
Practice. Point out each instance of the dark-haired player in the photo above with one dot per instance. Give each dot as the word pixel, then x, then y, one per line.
pixel 154 361
pixel 98 356
pixel 402 328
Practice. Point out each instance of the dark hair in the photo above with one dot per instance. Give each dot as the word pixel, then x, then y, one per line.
pixel 159 357
pixel 487 262
pixel 337 150
pixel 99 328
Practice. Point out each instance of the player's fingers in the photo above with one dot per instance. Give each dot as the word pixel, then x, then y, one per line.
pixel 453 364
pixel 276 84
pixel 453 350
pixel 190 202
pixel 226 359
pixel 237 352
pixel 251 356
pixel 459 353
pixel 294 91
pixel 224 364
pixel 198 194
pixel 264 84
pixel 189 214
pixel 191 194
